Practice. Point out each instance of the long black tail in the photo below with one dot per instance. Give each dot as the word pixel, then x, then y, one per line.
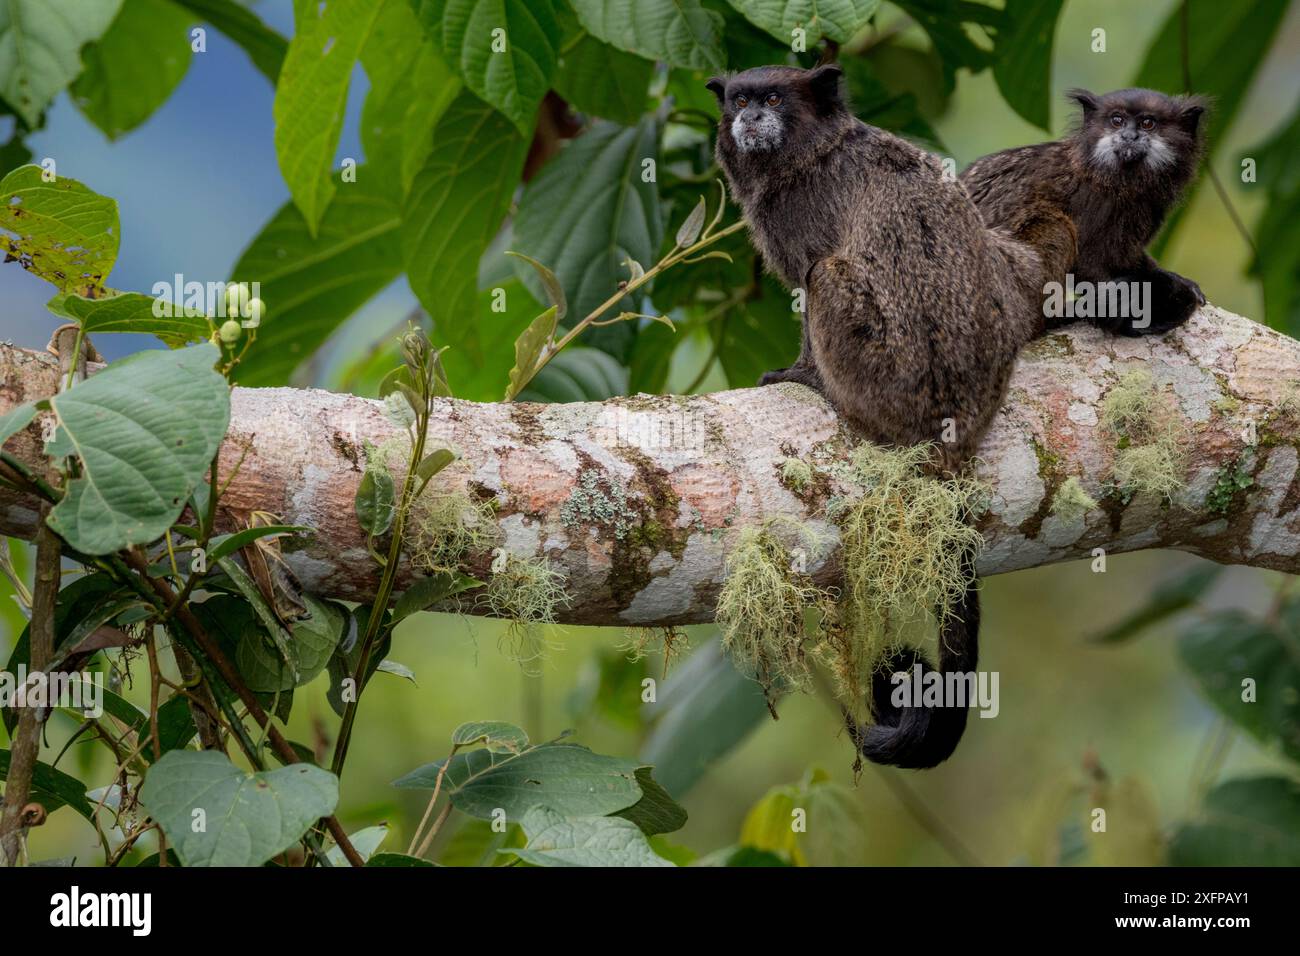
pixel 920 737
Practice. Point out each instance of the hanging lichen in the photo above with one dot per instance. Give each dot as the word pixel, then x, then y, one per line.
pixel 446 528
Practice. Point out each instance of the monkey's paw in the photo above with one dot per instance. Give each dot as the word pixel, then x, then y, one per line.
pixel 803 374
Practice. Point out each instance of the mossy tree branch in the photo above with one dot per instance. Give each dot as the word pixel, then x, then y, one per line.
pixel 638 500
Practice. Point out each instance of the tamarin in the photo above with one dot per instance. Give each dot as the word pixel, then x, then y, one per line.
pixel 914 310
pixel 1116 176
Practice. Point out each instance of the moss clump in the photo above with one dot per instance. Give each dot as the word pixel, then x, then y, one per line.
pixel 1230 479
pixel 1150 437
pixel 904 541
pixel 796 474
pixel 602 500
pixel 446 528
pixel 762 609
pixel 1071 501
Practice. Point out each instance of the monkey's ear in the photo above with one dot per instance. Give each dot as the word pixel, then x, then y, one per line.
pixel 718 86
pixel 1088 101
pixel 824 81
pixel 1194 107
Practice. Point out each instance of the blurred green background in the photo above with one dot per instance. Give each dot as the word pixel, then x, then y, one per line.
pixel 199 179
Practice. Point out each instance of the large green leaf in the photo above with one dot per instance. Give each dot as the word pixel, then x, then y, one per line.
pixel 40 48
pixel 496 735
pixel 758 336
pixel 704 710
pixel 656 811
pixel 1227 44
pixel 311 94
pixel 1167 599
pixel 839 20
pixel 145 430
pixel 411 86
pixel 310 285
pixel 53 788
pixel 1277 233
pixel 130 312
pixel 264 46
pixel 1251 822
pixel 602 80
pixel 946 23
pixel 480 363
pixel 506 51
pixel 215 814
pixel 566 777
pixel 61 231
pixel 679 32
pixel 235 624
pixel 588 210
pixel 135 66
pixel 456 206
pixel 1228 647
pixel 1023 69
pixel 578 374
pixel 556 840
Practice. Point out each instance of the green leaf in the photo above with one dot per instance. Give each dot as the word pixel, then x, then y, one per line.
pixel 243 634
pixel 434 462
pixel 311 284
pixel 396 859
pixel 1227 45
pixel 456 206
pixel 130 312
pixel 758 336
pixel 1250 822
pixel 588 210
pixel 496 735
pixel 376 501
pixel 567 777
pixel 264 46
pixel 554 840
pixel 366 842
pixel 679 32
pixel 577 374
pixel 411 86
pixel 705 709
pixel 506 51
pixel 656 811
pixel 15 420
pixel 40 46
pixel 311 94
pixel 652 359
pixel 1228 647
pixel 550 284
pixel 145 430
pixel 224 544
pixel 1023 68
pixel 530 348
pixel 945 22
pixel 1277 233
pixel 604 81
pixel 428 591
pixel 497 314
pixel 1167 599
pixel 61 231
pixel 840 20
pixel 691 226
pixel 475 843
pixel 135 66
pixel 54 788
pixel 247 818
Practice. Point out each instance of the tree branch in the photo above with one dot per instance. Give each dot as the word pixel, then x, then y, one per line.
pixel 675 478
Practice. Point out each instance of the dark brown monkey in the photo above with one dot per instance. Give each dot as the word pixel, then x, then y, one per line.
pixel 914 309
pixel 1116 177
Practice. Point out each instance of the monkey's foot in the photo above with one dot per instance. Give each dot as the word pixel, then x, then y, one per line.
pixel 803 374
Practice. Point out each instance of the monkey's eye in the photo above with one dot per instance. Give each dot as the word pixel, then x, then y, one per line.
pixel 773 99
pixel 742 101
pixel 1148 123
pixel 1116 120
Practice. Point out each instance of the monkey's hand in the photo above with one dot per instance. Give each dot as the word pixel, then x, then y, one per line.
pixel 1172 299
pixel 803 373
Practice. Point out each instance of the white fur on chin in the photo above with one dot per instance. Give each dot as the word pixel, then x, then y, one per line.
pixel 768 134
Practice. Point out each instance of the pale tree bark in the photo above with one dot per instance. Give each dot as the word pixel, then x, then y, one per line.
pixel 637 500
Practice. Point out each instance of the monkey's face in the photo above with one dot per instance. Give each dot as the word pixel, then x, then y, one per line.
pixel 1139 129
pixel 765 109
